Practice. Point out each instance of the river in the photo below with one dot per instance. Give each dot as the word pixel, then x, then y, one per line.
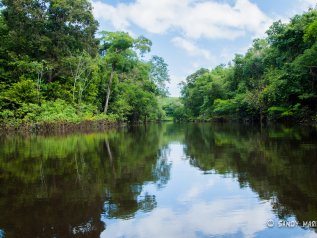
pixel 161 180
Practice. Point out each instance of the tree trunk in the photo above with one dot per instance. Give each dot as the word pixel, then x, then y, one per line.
pixel 108 91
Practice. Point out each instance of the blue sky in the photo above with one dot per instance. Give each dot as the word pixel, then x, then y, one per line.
pixel 190 34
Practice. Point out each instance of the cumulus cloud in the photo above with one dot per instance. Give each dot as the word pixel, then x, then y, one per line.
pixel 197 190
pixel 217 218
pixel 310 2
pixel 173 86
pixel 191 48
pixel 300 6
pixel 308 235
pixel 305 4
pixel 194 18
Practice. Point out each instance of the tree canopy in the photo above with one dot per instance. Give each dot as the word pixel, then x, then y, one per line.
pixel 53 60
pixel 274 80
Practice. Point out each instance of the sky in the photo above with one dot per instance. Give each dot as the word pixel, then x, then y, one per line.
pixel 191 34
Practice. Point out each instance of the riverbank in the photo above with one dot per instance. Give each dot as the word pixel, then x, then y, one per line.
pixel 59 127
pixel 250 120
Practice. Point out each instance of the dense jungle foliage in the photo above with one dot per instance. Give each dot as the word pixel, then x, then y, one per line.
pixel 56 66
pixel 275 80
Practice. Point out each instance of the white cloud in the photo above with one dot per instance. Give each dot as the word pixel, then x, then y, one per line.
pixel 173 86
pixel 191 48
pixel 110 13
pixel 194 18
pixel 197 190
pixel 310 3
pixel 305 4
pixel 217 218
pixel 308 235
pixel 297 7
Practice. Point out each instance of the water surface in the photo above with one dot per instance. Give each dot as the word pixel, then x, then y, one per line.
pixel 161 180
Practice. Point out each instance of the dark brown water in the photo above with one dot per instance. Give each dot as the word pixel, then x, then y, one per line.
pixel 168 180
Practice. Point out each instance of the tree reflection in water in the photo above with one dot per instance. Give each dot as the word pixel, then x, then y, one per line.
pixel 65 186
pixel 57 186
pixel 280 164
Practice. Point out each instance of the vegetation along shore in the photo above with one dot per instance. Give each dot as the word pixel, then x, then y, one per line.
pixel 57 68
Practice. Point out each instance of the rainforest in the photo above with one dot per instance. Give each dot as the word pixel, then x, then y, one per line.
pixel 57 66
pixel 94 142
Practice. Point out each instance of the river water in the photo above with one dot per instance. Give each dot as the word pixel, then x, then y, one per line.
pixel 161 180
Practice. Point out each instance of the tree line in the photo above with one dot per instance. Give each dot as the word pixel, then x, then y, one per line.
pixel 275 80
pixel 56 66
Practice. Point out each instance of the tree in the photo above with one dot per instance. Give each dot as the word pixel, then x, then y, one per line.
pixel 51 45
pixel 276 78
pixel 47 30
pixel 119 51
pixel 83 69
pixel 159 74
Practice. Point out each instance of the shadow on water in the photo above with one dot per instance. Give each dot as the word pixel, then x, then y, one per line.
pixel 65 186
